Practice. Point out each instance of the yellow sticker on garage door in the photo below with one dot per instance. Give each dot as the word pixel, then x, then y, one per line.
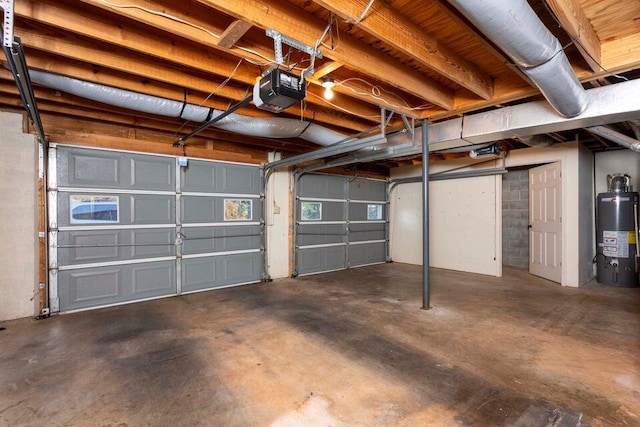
pixel 632 237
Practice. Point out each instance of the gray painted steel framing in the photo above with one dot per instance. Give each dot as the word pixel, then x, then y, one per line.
pixel 52 226
pixel 426 291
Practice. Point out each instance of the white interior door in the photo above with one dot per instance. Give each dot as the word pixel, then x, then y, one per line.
pixel 545 221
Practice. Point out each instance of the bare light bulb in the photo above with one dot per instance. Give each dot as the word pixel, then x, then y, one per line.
pixel 328 93
pixel 328 83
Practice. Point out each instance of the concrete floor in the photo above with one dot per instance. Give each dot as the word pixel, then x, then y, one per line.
pixel 341 349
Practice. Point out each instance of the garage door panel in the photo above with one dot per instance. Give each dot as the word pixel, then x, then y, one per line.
pixel 364 254
pixel 88 246
pixel 92 246
pixel 316 260
pixel 367 189
pixel 152 173
pixel 115 170
pixel 99 286
pixel 220 239
pixel 197 209
pixel 318 234
pixel 128 209
pixel 360 211
pixel 150 209
pixel 352 227
pixel 149 243
pixel 323 186
pixel 210 177
pixel 368 231
pixel 114 225
pixel 331 211
pixel 219 271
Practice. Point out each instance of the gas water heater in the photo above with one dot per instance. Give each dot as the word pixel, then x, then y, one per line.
pixel 617 233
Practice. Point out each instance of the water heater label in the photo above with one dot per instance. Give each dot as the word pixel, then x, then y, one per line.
pixel 615 244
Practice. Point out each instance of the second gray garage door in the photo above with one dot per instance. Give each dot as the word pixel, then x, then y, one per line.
pixel 341 222
pixel 127 227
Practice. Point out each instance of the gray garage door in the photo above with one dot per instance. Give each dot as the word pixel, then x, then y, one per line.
pixel 128 227
pixel 341 222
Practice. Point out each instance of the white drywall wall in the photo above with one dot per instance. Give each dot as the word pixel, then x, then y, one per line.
pixel 466 232
pixel 463 214
pixel 587 215
pixel 18 219
pixel 278 216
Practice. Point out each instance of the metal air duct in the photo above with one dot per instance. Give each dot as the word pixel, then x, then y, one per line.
pixel 276 127
pixel 617 137
pixel 517 30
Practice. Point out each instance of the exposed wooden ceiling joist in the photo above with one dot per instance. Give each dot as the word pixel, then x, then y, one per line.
pixel 290 21
pixel 575 22
pixel 417 57
pixel 391 27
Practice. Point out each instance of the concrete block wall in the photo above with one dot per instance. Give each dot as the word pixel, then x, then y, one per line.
pixel 515 218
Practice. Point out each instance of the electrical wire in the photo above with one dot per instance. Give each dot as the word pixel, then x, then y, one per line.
pixel 162 14
pixel 343 109
pixel 216 36
pixel 376 91
pixel 376 94
pixel 220 86
pixel 362 15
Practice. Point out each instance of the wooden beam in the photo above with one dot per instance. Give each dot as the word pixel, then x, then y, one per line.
pixel 148 69
pixel 621 54
pixel 233 33
pixel 398 31
pixel 203 35
pixel 192 22
pixel 291 21
pixel 121 143
pixel 133 38
pixel 575 22
pixel 326 68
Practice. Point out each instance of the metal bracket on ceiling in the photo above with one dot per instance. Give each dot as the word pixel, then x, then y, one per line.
pixel 409 125
pixel 279 39
pixel 7 23
pixel 409 122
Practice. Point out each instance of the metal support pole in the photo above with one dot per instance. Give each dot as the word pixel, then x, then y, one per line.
pixel 425 216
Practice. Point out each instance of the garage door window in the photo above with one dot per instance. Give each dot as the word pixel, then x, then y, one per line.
pixel 374 212
pixel 94 209
pixel 311 211
pixel 237 209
